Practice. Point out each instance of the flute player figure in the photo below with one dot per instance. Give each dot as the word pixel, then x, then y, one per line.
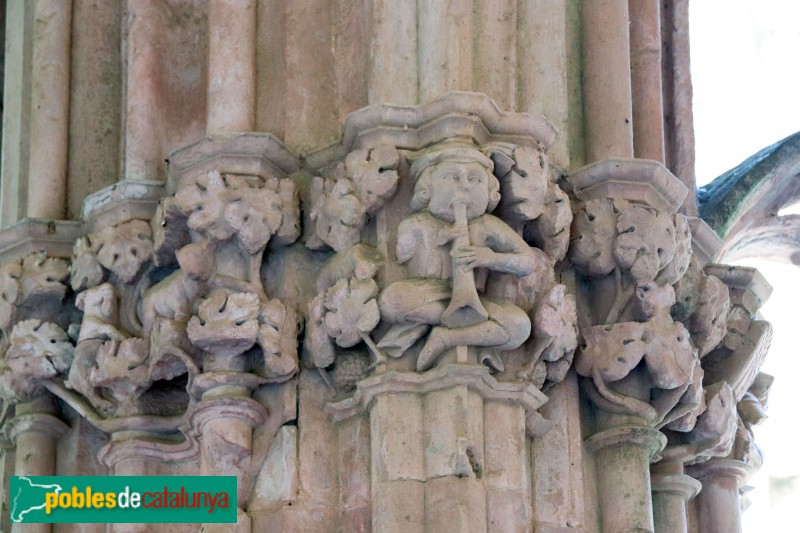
pixel 449 244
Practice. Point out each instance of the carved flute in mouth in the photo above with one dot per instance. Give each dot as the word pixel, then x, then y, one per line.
pixel 465 307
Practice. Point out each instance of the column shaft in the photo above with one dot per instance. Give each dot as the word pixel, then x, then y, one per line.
pixel 231 65
pixel 607 79
pixel 646 90
pixel 47 187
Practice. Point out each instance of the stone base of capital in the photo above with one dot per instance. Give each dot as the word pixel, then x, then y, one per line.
pixel 475 377
pixel 47 424
pixel 716 468
pixel 651 439
pixel 685 486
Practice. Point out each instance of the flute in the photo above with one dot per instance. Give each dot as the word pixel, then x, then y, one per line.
pixel 465 307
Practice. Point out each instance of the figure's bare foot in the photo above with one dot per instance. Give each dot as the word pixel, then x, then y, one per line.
pixel 437 343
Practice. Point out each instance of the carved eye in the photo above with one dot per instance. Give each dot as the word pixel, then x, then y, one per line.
pixel 476 178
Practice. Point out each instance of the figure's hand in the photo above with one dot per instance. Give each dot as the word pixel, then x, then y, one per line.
pixel 474 257
pixel 454 232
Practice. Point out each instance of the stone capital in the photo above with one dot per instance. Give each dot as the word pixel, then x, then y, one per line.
pixel 47 424
pixel 722 468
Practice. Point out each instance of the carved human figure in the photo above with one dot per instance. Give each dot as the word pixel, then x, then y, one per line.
pixel 450 244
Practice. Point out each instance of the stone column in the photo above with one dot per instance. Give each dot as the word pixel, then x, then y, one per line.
pixel 231 65
pixel 622 456
pixel 672 489
pixel 225 419
pixel 607 79
pixel 719 509
pixel 648 109
pixel 448 449
pixel 35 431
pixel 47 186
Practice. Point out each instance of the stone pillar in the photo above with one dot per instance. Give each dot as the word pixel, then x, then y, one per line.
pixel 35 431
pixel 607 79
pixel 225 419
pixel 231 65
pixel 47 187
pixel 622 455
pixel 448 450
pixel 718 506
pixel 672 489
pixel 648 109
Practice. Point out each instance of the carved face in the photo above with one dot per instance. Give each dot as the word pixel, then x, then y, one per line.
pixel 457 182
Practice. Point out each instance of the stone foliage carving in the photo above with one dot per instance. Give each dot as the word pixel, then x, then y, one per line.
pixel 476 283
pixel 34 321
pixel 162 301
pixel 653 314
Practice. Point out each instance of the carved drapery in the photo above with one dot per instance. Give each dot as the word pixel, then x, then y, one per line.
pixel 457 272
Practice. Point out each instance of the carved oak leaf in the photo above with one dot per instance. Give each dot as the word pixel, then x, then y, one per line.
pixel 85 269
pixel 645 242
pixel 204 203
pixel 679 264
pixel 43 276
pixel 39 350
pixel 557 319
pixel 289 230
pixel 318 343
pixel 612 352
pixel 374 173
pixel 669 354
pixel 170 232
pixel 550 231
pixel 709 322
pixel 122 370
pixel 714 432
pixel 125 248
pixel 277 336
pixel 254 213
pixel 524 187
pixel 226 324
pixel 338 214
pixel 352 310
pixel 592 243
pixel 10 293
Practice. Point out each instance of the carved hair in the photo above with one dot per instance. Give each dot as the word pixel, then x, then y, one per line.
pixel 422 169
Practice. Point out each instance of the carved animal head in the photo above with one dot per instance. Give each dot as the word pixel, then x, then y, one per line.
pixel 652 300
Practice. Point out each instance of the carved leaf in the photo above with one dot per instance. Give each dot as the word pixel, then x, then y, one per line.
pixel 645 242
pixel 122 370
pixel 352 310
pixel 289 230
pixel 593 232
pixel 39 350
pixel 669 355
pixel 318 343
pixel 524 188
pixel 10 293
pixel 254 213
pixel 226 323
pixel 43 276
pixel 338 214
pixel 374 173
pixel 679 264
pixel 125 248
pixel 170 232
pixel 709 323
pixel 550 231
pixel 277 336
pixel 204 203
pixel 85 269
pixel 557 318
pixel 612 351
